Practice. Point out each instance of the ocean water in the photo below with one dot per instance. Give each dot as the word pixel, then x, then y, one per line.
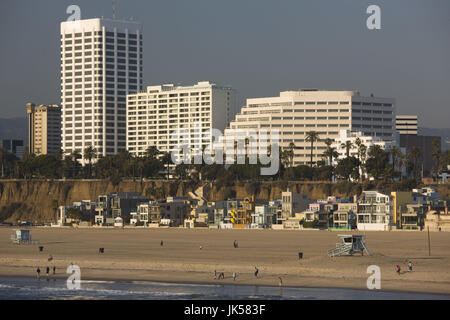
pixel 33 289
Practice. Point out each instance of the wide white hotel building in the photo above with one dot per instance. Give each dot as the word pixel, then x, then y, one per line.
pixel 294 113
pixel 101 62
pixel 154 114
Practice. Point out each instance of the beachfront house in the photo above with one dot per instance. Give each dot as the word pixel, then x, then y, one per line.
pixel 291 203
pixel 262 217
pixel 139 218
pixel 413 215
pixel 118 222
pixel 398 200
pixel 374 211
pixel 117 204
pixel 345 216
pixel 175 209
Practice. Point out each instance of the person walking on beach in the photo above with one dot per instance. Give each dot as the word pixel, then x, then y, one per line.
pixel 221 276
pixel 38 271
pixel 410 266
pixel 162 243
pixel 234 276
pixel 47 272
pixel 280 283
pixel 215 274
pixel 256 272
pixel 235 244
pixel 398 269
pixel 54 270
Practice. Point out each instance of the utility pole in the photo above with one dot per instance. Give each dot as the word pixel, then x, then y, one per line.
pixel 429 245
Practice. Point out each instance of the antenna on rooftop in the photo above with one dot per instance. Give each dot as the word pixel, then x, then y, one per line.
pixel 114 9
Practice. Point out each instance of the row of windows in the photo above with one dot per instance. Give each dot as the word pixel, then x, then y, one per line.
pixel 172 95
pixel 97 104
pixel 100 33
pixel 97 111
pixel 372 119
pixel 294 125
pixel 294 118
pixel 371 111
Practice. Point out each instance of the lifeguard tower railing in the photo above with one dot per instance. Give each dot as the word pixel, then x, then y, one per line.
pixel 349 245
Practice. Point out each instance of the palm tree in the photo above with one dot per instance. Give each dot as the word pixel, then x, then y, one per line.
pixel 3 154
pixel 284 157
pixel 414 153
pixel 330 153
pixel 291 153
pixel 396 159
pixel 312 136
pixel 437 156
pixel 348 145
pixel 166 158
pixel 75 155
pixel 88 154
pixel 152 152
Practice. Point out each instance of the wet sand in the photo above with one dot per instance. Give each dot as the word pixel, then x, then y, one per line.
pixel 136 255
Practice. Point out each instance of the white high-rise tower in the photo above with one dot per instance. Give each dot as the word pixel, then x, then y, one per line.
pixel 101 62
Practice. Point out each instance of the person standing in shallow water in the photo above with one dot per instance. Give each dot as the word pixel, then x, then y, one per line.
pixel 38 271
pixel 256 272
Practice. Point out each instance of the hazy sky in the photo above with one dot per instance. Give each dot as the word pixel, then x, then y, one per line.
pixel 260 47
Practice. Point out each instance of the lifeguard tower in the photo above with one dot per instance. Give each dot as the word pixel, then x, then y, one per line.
pixel 349 245
pixel 22 236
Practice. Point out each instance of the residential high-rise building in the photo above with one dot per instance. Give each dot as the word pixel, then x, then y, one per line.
pixel 407 124
pixel 44 129
pixel 101 62
pixel 294 113
pixel 155 113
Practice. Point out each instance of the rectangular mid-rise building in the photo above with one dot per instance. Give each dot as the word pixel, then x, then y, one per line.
pixel 154 114
pixel 101 62
pixel 407 124
pixel 295 113
pixel 44 129
pixel 14 146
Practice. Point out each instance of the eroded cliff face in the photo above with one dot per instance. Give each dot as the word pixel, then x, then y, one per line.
pixel 37 201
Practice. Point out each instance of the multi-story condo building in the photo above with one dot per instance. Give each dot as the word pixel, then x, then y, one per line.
pixel 44 129
pixel 375 211
pixel 294 113
pixel 154 114
pixel 101 62
pixel 367 141
pixel 407 124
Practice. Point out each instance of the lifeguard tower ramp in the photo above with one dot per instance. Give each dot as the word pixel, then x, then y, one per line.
pixel 349 245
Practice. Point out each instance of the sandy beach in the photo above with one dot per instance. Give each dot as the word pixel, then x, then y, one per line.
pixel 136 255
